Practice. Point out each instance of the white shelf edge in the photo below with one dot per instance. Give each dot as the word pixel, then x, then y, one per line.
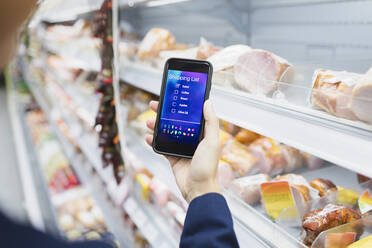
pixel 31 202
pixel 320 137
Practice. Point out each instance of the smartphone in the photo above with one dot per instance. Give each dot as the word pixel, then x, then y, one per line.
pixel 179 125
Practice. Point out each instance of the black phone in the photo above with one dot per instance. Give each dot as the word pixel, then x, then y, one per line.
pixel 179 125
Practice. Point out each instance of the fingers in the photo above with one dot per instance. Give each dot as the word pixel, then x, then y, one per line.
pixel 172 160
pixel 211 122
pixel 149 138
pixel 151 124
pixel 154 105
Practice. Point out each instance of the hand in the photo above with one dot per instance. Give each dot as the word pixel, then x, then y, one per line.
pixel 199 175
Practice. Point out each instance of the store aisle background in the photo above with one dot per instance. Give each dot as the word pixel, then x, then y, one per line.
pixel 11 193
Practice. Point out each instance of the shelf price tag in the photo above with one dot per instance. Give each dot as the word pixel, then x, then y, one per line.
pixel 339 240
pixel 365 202
pixel 277 196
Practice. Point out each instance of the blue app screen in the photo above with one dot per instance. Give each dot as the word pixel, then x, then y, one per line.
pixel 182 107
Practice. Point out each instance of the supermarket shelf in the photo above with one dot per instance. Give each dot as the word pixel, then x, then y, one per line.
pixel 150 223
pixel 37 198
pixel 269 232
pixel 341 144
pixel 93 182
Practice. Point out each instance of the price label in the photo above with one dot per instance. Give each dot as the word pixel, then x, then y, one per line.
pixel 277 196
pixel 339 240
pixel 365 202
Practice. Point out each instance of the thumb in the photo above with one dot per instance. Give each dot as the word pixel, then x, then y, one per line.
pixel 211 131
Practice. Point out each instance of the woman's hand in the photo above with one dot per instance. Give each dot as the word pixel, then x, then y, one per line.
pixel 199 175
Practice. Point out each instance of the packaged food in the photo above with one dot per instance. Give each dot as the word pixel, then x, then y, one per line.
pixel 293 157
pixel 270 159
pixel 227 57
pixel 332 92
pixel 224 137
pixel 323 186
pixel 241 160
pixel 258 71
pixel 319 220
pixel 361 98
pixel 248 188
pixel 155 41
pixel 205 49
pixel 246 137
pixel 312 162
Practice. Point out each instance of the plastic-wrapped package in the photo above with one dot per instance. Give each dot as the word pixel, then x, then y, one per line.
pixel 224 137
pixel 332 92
pixel 319 220
pixel 270 158
pixel 246 137
pixel 294 158
pixel 205 49
pixel 248 188
pixel 324 186
pixel 241 160
pixel 258 71
pixel 312 162
pixel 223 63
pixel 155 41
pixel 361 98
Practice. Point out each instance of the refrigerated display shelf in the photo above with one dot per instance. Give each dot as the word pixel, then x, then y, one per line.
pixel 311 131
pixel 37 198
pixel 151 225
pixel 93 182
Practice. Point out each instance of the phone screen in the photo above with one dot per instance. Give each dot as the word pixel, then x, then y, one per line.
pixel 182 107
pixel 179 127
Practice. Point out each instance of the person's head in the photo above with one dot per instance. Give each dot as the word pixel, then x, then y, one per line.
pixel 13 14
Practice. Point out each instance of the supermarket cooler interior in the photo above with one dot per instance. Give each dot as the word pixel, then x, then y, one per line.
pixel 291 87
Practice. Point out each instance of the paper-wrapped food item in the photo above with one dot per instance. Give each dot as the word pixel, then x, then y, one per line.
pixel 155 41
pixel 270 159
pixel 241 160
pixel 258 71
pixel 248 188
